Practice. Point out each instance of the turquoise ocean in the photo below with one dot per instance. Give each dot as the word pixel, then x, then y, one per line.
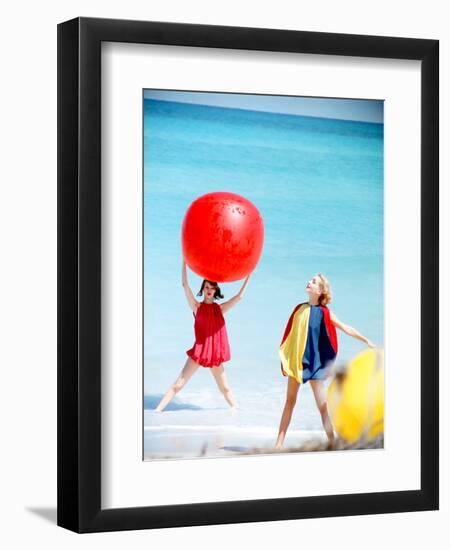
pixel 318 183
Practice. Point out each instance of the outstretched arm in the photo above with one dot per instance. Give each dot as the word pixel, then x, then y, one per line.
pixel 350 330
pixel 193 304
pixel 235 299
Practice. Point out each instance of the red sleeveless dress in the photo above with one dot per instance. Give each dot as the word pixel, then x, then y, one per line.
pixel 211 347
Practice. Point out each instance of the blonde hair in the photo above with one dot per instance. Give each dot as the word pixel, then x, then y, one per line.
pixel 326 296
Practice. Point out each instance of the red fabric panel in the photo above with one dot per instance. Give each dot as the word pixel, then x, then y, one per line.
pixel 331 329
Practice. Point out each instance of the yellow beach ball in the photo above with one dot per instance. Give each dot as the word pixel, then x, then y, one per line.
pixel 356 397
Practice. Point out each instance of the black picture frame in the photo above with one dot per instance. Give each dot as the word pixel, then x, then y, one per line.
pixel 79 274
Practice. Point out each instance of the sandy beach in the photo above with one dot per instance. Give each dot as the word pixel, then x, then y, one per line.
pixel 165 437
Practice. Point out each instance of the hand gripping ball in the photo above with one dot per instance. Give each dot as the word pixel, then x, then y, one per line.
pixel 356 397
pixel 222 236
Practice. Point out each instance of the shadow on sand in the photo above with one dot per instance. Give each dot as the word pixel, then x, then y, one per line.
pixel 236 448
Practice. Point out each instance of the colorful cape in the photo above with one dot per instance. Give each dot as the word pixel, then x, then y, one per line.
pixel 309 343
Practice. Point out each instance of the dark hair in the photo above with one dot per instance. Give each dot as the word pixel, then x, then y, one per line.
pixel 217 293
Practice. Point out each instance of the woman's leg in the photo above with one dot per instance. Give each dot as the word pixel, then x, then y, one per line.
pixel 221 379
pixel 320 395
pixel 291 399
pixel 188 370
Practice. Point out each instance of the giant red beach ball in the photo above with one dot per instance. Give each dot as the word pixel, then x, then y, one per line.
pixel 222 236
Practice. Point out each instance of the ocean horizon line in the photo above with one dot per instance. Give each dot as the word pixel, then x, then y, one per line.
pixel 287 115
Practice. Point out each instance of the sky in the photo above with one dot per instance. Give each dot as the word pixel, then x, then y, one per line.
pixel 364 110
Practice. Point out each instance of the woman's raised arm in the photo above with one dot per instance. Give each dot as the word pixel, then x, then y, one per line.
pixel 235 299
pixel 193 303
pixel 350 330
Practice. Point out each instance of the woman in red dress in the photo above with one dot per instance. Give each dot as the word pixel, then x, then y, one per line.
pixel 211 348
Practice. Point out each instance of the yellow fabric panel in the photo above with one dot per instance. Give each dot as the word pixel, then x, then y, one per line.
pixel 292 349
